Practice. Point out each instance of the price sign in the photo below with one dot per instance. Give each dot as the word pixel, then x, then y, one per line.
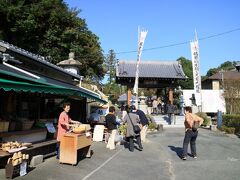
pixel 23 168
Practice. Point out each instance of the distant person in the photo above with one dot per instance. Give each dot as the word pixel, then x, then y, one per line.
pixel 163 107
pixel 155 106
pixel 159 105
pixel 144 121
pixel 94 116
pixel 170 111
pixel 64 124
pixel 190 133
pixel 123 111
pixel 111 124
pixel 149 105
pixel 132 118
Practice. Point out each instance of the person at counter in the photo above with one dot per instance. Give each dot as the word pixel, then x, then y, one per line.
pixel 64 124
pixel 111 124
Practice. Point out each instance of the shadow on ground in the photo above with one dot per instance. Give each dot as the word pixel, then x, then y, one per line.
pixel 177 150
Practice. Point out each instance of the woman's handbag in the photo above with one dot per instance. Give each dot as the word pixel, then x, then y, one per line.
pixel 136 128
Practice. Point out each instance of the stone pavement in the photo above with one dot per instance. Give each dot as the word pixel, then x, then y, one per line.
pixel 218 158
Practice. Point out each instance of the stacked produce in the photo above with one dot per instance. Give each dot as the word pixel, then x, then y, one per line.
pixel 79 128
pixel 12 145
pixel 17 158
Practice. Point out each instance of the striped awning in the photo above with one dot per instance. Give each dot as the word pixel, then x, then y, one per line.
pixel 14 81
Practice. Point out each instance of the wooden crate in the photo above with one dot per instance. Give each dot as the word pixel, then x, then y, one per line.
pixel 14 171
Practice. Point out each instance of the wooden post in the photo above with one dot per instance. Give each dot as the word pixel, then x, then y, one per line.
pixel 129 94
pixel 170 95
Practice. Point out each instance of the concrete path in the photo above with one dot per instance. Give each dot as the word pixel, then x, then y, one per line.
pixel 218 158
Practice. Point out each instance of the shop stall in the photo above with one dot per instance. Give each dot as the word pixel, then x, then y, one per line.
pixel 32 91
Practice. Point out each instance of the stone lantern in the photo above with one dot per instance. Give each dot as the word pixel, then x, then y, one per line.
pixel 142 98
pixel 142 106
pixel 70 64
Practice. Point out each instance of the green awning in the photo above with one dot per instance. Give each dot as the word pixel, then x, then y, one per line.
pixel 15 80
pixel 9 85
pixel 20 76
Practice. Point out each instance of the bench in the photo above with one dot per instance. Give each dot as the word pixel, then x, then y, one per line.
pixel 46 148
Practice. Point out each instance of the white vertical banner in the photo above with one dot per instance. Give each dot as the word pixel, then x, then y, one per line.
pixel 141 38
pixel 196 65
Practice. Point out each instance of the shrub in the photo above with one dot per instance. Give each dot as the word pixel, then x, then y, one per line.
pixel 206 120
pixel 122 129
pixel 228 130
pixel 152 126
pixel 232 120
pixel 150 119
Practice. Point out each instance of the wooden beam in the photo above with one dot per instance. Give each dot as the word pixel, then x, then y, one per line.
pixel 170 95
pixel 129 94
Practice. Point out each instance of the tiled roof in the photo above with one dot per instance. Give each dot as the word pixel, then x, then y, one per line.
pixel 233 75
pixel 35 57
pixel 151 69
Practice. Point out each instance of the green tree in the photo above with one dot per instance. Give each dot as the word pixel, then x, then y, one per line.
pixel 212 71
pixel 111 89
pixel 226 66
pixel 187 68
pixel 49 28
pixel 110 66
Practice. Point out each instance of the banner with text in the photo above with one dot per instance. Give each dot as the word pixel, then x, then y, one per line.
pixel 141 38
pixel 196 66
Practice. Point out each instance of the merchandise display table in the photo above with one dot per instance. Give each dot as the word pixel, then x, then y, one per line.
pixel 71 144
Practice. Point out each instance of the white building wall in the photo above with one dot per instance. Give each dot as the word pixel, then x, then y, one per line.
pixel 209 101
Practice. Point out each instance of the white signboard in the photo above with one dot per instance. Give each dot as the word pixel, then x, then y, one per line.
pixel 23 168
pixel 98 133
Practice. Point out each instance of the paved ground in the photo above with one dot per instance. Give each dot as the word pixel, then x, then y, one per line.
pixel 218 158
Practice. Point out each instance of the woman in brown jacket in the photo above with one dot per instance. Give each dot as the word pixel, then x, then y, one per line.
pixel 130 135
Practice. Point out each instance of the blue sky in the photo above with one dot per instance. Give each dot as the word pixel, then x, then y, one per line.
pixel 168 22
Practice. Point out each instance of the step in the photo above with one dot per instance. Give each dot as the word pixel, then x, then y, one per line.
pixel 163 119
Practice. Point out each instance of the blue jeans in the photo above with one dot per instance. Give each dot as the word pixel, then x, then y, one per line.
pixel 191 137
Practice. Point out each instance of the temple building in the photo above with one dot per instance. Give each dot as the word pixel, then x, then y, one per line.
pixel 152 74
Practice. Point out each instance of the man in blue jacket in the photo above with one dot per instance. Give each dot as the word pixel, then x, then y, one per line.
pixel 144 121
